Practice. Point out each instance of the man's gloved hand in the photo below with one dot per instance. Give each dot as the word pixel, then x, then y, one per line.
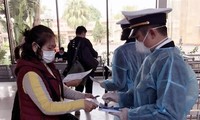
pixel 102 84
pixel 107 97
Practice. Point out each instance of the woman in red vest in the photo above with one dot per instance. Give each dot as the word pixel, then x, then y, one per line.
pixel 40 88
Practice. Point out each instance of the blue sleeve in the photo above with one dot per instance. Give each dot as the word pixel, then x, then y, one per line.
pixel 126 99
pixel 119 73
pixel 176 92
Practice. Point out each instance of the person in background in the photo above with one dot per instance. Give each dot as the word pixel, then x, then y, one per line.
pixel 61 55
pixel 86 55
pixel 165 87
pixel 40 88
pixel 126 31
pixel 126 62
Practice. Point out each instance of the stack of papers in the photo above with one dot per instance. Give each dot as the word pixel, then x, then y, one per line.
pixel 108 109
pixel 76 76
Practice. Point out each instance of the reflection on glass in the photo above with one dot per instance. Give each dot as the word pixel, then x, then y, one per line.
pixel 184 24
pixel 72 13
pixel 92 14
pixel 4 42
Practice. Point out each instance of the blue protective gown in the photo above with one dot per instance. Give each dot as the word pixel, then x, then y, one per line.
pixel 165 88
pixel 125 65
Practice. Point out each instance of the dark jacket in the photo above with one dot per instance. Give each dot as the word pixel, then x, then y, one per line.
pixel 63 56
pixel 86 53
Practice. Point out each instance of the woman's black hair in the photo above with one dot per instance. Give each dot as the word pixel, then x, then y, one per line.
pixel 16 52
pixel 39 34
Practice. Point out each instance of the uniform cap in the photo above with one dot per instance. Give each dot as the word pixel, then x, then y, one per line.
pixel 124 23
pixel 150 16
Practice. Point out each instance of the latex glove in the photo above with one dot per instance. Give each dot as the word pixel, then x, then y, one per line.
pixel 123 114
pixel 89 105
pixel 73 83
pixel 107 97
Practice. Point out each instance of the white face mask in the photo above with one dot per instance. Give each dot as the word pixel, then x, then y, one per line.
pixel 48 56
pixel 141 48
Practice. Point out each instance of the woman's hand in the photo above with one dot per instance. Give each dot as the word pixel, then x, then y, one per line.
pixel 89 105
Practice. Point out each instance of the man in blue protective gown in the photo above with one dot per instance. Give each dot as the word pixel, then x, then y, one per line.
pixel 165 87
pixel 126 62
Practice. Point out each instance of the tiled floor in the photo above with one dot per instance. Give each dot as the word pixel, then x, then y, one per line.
pixel 7 92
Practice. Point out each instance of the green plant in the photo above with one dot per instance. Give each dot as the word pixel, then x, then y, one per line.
pixel 194 50
pixel 24 13
pixel 99 32
pixel 78 12
pixel 2 54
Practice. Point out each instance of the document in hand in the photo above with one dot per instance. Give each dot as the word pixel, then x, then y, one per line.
pixel 108 109
pixel 93 79
pixel 76 76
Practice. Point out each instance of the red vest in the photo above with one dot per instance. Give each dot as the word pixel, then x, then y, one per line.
pixel 28 110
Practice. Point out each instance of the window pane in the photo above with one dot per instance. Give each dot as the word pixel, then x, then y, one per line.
pixel 72 13
pixel 92 14
pixel 184 23
pixel 23 15
pixel 88 13
pixel 4 41
pixel 115 8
